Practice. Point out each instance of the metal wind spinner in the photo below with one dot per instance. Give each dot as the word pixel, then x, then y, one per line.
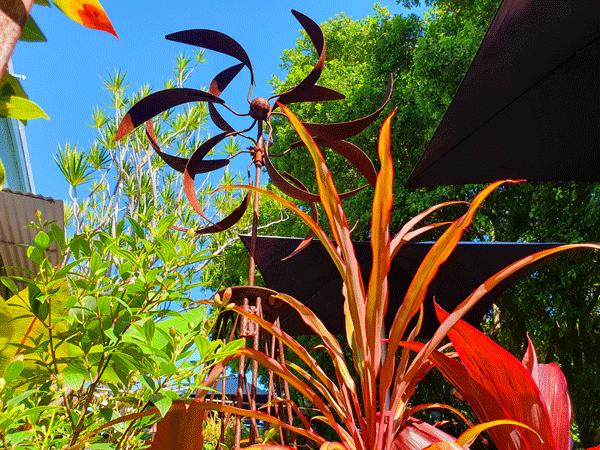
pixel 331 136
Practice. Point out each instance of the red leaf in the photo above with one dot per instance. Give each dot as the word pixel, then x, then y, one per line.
pixel 417 435
pixel 553 389
pixel 508 384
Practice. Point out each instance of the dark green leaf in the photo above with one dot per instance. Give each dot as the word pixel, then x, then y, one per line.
pixel 31 32
pixel 136 227
pixel 148 382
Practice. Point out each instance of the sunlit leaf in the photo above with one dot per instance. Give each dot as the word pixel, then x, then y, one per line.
pixel 2 175
pixel 13 370
pixel 19 326
pixel 88 13
pixel 469 436
pixel 20 108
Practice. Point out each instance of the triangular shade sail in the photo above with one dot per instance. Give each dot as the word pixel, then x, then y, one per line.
pixel 312 278
pixel 529 105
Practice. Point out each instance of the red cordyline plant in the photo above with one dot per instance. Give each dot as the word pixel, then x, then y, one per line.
pixel 523 405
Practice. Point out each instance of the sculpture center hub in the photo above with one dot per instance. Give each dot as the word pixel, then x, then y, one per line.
pixel 259 108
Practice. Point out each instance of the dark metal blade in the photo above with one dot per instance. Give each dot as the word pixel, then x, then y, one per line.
pixel 175 162
pixel 158 102
pixel 294 191
pixel 316 36
pixel 314 213
pixel 217 86
pixel 194 166
pixel 354 155
pixel 214 40
pixel 228 221
pixel 314 93
pixel 345 130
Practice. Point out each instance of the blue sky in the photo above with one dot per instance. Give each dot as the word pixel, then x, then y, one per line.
pixel 64 74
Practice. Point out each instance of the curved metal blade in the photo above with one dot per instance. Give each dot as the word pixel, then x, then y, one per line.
pixel 217 86
pixel 286 187
pixel 175 162
pixel 345 130
pixel 158 102
pixel 294 191
pixel 228 221
pixel 352 153
pixel 318 40
pixel 195 165
pixel 214 40
pixel 314 93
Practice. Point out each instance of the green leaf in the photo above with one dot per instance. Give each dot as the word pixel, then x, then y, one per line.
pixel 164 225
pixel 136 227
pixel 21 397
pixel 149 328
pixel 148 382
pixel 42 240
pixel 58 235
pixel 73 379
pixel 11 85
pixel 43 3
pixel 162 402
pixel 20 108
pixel 13 370
pixel 167 368
pixel 31 32
pixel 35 255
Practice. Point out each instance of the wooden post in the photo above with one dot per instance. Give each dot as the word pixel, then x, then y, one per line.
pixel 13 15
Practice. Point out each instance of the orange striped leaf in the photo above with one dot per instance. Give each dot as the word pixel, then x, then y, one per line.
pixel 88 13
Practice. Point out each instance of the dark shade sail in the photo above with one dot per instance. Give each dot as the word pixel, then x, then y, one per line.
pixel 529 105
pixel 312 278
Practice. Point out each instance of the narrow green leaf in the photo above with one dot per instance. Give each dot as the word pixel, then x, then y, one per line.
pixel 164 225
pixel 20 108
pixel 43 3
pixel 149 328
pixel 31 32
pixel 136 227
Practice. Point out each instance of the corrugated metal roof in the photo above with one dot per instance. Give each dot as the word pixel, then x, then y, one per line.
pixel 18 209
